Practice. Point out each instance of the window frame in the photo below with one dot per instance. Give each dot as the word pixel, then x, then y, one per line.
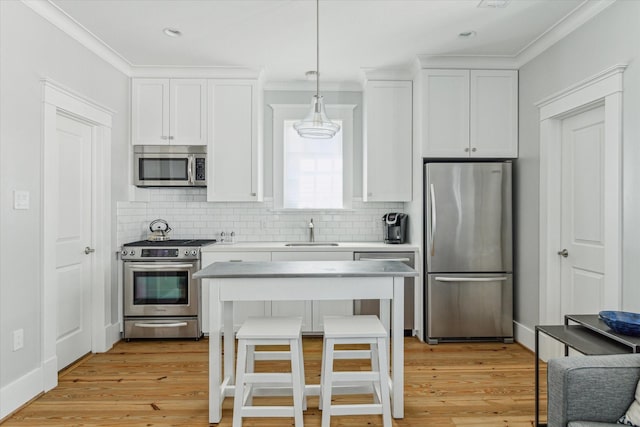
pixel 284 112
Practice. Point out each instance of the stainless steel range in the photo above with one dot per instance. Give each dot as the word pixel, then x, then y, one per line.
pixel 161 297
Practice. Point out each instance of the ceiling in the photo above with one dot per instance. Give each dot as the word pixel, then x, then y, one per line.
pixel 279 36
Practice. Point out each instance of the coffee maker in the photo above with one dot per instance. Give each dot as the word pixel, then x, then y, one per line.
pixel 394 227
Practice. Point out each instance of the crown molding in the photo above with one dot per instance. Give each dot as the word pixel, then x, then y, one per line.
pixel 469 61
pixel 310 86
pixel 211 72
pixel 571 22
pixel 82 35
pixel 387 73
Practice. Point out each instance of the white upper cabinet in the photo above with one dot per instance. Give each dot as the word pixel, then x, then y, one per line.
pixel 494 113
pixel 235 141
pixel 469 113
pixel 445 113
pixel 387 146
pixel 169 112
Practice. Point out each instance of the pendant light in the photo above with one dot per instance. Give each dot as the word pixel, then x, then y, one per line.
pixel 316 124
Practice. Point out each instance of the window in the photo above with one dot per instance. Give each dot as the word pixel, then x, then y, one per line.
pixel 312 170
pixel 312 173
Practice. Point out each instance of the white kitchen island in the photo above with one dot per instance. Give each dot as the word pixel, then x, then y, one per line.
pixel 300 280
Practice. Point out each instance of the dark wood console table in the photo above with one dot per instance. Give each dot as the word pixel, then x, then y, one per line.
pixel 587 334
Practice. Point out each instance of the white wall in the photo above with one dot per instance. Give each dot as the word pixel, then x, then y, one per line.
pixel 32 48
pixel 612 37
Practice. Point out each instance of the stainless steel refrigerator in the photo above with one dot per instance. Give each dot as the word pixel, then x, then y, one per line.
pixel 468 248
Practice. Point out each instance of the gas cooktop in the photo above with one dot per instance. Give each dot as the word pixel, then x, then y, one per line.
pixel 172 242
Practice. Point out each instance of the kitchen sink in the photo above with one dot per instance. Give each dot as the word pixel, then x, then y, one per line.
pixel 311 244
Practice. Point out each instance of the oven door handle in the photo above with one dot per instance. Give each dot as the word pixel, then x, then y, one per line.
pixel 160 325
pixel 160 266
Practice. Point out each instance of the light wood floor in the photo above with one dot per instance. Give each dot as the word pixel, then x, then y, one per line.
pixel 164 383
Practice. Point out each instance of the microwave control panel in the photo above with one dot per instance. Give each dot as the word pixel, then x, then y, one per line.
pixel 200 169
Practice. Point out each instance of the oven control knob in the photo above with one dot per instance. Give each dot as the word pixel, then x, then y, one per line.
pixel 186 253
pixel 194 252
pixel 132 252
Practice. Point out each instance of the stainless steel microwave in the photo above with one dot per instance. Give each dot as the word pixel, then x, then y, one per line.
pixel 170 165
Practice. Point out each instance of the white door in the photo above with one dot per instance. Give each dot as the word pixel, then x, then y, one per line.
pixel 73 266
pixel 583 280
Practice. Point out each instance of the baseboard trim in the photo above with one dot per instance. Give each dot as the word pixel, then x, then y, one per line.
pixel 524 335
pixel 112 334
pixel 19 392
pixel 50 373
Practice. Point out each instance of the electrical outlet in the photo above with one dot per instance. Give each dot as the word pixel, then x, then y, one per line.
pixel 18 339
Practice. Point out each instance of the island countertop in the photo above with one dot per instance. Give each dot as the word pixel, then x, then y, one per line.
pixel 272 269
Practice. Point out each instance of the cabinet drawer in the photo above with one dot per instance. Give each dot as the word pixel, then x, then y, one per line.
pixel 242 310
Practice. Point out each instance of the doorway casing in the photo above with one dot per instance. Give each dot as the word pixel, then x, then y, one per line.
pixel 605 88
pixel 58 99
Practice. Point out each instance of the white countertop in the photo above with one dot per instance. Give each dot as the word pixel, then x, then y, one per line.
pixel 305 269
pixel 281 246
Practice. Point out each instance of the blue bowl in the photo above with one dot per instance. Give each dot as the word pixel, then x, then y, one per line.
pixel 622 322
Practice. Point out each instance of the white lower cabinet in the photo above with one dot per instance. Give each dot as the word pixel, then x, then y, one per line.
pixel 312 312
pixel 242 310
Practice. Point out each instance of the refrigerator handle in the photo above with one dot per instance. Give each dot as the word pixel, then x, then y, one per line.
pixel 471 279
pixel 433 220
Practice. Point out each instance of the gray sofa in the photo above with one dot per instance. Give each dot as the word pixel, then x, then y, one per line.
pixel 591 391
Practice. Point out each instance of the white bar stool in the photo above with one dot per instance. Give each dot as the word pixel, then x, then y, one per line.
pixel 269 331
pixel 355 330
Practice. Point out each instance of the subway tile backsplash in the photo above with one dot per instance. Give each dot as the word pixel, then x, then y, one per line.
pixel 191 216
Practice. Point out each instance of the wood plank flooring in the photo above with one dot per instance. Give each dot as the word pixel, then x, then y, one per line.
pixel 164 383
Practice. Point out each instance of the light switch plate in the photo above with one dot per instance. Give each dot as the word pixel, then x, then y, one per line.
pixel 20 199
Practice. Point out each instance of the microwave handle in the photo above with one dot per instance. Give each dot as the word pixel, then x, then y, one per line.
pixel 190 170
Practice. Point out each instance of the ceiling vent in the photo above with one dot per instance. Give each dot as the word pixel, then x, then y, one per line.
pixel 493 3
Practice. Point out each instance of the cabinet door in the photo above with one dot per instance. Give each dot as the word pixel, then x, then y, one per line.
pixel 494 113
pixel 312 312
pixel 387 141
pixel 235 145
pixel 150 112
pixel 188 112
pixel 445 113
pixel 244 309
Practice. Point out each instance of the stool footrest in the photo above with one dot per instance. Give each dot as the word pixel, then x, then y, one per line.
pixel 354 376
pixel 272 355
pixel 268 377
pixel 352 354
pixel 267 411
pixel 362 409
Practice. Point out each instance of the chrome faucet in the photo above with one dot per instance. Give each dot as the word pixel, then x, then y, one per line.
pixel 311 227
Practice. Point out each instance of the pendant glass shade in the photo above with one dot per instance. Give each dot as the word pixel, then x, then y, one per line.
pixel 316 124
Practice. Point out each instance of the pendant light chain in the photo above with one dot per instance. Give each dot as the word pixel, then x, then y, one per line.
pixel 316 124
pixel 317 47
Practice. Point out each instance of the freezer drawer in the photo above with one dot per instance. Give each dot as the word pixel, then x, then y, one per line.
pixel 463 307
